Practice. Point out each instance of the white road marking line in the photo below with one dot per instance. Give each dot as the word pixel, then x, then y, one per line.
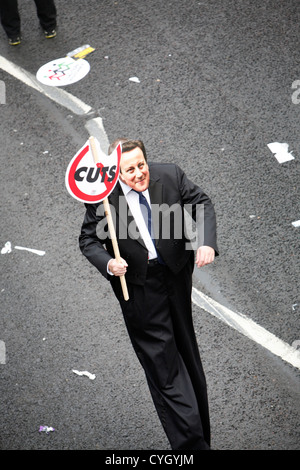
pixel 238 321
pixel 2 352
pixel 96 129
pixel 58 95
pixel 249 328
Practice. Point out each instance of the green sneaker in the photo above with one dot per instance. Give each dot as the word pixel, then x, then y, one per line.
pixel 50 34
pixel 14 41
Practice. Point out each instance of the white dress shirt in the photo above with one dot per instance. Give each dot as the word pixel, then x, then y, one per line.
pixel 132 199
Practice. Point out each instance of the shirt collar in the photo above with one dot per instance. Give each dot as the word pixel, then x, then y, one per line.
pixel 126 189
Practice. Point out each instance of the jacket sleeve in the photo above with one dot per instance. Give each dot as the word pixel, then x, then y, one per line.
pixel 91 246
pixel 193 196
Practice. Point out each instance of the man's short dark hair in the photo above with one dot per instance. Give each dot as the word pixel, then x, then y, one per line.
pixel 127 145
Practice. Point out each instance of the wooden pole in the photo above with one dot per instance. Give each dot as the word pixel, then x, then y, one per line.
pixel 110 223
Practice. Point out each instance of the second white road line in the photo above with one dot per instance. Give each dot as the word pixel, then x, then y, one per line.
pixel 249 328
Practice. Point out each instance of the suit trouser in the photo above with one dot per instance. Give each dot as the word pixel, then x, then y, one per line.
pixel 10 18
pixel 158 317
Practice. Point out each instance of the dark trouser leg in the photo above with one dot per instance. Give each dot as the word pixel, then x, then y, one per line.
pixel 46 12
pixel 10 18
pixel 180 298
pixel 149 322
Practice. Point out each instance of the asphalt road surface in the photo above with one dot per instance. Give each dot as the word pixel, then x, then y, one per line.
pixel 217 82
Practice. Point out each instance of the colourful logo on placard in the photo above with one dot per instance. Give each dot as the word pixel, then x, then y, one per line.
pixel 63 71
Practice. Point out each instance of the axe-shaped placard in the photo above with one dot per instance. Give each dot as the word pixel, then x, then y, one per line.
pixel 110 223
pixel 84 186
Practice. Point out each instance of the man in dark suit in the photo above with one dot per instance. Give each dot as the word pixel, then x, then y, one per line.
pixel 158 262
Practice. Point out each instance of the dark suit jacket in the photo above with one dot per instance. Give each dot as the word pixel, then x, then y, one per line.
pixel 169 188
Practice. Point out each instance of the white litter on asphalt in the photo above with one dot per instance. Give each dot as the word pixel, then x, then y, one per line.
pixel 134 79
pixel 296 223
pixel 85 372
pixel 6 248
pixel 281 152
pixel 46 429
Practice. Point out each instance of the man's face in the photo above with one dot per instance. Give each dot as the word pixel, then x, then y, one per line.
pixel 134 170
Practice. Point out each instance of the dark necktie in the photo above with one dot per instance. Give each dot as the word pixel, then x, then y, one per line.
pixel 146 212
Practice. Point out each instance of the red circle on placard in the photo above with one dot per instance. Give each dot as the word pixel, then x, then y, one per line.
pixel 74 188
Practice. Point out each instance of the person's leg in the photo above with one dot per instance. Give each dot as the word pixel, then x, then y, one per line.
pixel 149 324
pixel 10 18
pixel 180 298
pixel 46 12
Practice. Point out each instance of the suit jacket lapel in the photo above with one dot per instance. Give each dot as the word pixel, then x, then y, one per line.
pixel 118 200
pixel 155 192
pixel 156 198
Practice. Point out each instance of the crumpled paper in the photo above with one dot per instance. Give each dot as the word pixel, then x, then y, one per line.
pixel 6 248
pixel 46 429
pixel 134 79
pixel 280 151
pixel 84 372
